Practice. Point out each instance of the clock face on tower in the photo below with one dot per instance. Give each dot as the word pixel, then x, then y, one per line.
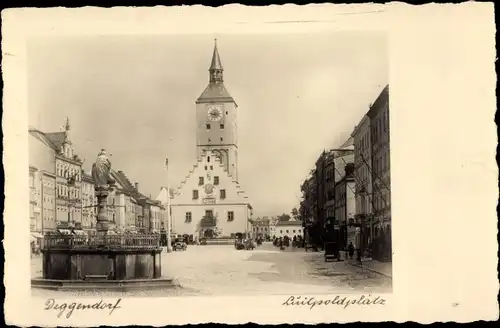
pixel 214 113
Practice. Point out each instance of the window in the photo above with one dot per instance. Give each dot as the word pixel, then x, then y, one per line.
pixel 293 231
pixel 223 193
pixel 281 231
pixel 195 194
pixel 209 213
pixel 205 167
pixel 221 139
pixel 287 231
pixel 209 140
pixel 208 126
pixel 226 112
pixel 201 181
pixel 230 216
pixel 208 159
pixel 211 167
pixel 188 217
pixel 222 126
pixel 216 181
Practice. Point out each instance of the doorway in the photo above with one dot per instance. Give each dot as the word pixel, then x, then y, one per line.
pixel 209 233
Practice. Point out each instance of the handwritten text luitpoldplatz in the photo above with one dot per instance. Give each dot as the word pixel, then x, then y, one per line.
pixel 344 301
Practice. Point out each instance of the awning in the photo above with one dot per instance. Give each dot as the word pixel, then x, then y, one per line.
pixel 65 231
pixel 79 232
pixel 36 235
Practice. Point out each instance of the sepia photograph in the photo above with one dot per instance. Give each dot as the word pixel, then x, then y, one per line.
pixel 276 164
pixel 209 165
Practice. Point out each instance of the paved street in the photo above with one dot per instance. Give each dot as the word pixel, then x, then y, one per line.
pixel 222 270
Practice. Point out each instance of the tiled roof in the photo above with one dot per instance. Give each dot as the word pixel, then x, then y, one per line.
pixel 348 143
pixel 44 139
pixel 122 179
pixel 289 223
pixel 215 91
pixel 57 138
pixel 127 187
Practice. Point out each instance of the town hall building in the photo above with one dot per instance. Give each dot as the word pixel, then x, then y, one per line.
pixel 210 202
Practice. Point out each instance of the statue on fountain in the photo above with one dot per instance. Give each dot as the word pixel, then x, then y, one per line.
pixel 101 172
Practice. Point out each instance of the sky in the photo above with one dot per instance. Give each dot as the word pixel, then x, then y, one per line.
pixel 297 94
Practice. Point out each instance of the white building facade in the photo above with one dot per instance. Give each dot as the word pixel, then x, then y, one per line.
pixel 291 228
pixel 210 202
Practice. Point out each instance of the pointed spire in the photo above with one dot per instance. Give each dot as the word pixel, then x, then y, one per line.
pixel 66 124
pixel 216 63
pixel 66 128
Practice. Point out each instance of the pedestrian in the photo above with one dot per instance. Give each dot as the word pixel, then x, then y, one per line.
pixel 350 249
pixel 281 244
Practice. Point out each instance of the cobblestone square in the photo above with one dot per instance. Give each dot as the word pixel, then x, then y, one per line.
pixel 221 270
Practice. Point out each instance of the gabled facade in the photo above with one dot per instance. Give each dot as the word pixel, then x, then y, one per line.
pixel 209 203
pixel 67 170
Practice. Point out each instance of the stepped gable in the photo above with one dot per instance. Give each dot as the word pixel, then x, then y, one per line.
pixel 204 155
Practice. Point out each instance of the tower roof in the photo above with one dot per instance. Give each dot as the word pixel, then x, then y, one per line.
pixel 216 63
pixel 215 90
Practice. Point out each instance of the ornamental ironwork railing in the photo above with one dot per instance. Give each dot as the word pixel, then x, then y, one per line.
pixel 208 221
pixel 121 241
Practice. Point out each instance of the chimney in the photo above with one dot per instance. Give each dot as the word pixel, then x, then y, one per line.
pixel 137 186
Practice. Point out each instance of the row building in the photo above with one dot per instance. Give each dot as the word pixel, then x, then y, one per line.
pixel 62 195
pixel 349 187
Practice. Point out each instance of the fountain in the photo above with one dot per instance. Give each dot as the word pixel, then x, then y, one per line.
pixel 104 261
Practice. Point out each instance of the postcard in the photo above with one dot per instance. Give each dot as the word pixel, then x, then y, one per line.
pixel 281 164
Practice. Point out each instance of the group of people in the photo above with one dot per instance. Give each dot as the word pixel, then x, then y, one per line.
pixel 284 242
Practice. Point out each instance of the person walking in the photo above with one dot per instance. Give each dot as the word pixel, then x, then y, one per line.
pixel 350 250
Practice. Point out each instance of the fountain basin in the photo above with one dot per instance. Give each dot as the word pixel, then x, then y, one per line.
pixel 108 262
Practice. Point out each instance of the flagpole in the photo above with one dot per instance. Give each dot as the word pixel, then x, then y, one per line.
pixel 169 238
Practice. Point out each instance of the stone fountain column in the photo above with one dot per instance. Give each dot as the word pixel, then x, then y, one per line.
pixel 102 225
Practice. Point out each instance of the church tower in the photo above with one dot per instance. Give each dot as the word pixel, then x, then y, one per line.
pixel 216 117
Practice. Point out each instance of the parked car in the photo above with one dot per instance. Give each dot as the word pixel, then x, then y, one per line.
pixel 180 246
pixel 238 244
